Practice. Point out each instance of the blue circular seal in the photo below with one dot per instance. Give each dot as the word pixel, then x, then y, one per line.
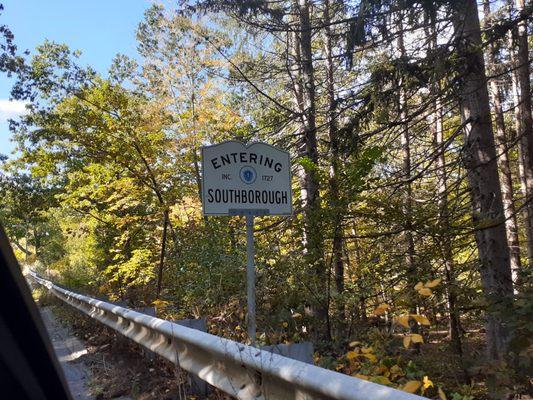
pixel 248 174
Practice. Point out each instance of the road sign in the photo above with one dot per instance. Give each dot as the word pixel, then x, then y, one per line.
pixel 246 180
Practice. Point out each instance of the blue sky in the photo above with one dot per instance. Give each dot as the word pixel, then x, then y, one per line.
pixel 99 28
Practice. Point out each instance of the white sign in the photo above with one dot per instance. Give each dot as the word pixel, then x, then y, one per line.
pixel 246 180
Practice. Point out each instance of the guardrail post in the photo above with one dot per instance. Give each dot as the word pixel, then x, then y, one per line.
pixel 198 386
pixel 297 351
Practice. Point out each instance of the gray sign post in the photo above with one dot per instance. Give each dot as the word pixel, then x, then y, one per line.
pixel 250 279
pixel 248 180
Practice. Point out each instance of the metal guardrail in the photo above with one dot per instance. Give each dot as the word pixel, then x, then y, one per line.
pixel 242 371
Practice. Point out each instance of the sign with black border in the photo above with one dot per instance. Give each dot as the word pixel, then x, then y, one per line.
pixel 239 179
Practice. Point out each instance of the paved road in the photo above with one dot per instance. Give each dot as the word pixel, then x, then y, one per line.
pixel 68 350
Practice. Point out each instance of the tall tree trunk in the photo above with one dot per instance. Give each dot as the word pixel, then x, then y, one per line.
pixel 521 63
pixel 480 162
pixel 162 255
pixel 444 221
pixel 310 180
pixel 195 158
pixel 506 179
pixel 515 92
pixel 445 242
pixel 359 277
pixel 336 201
pixel 407 211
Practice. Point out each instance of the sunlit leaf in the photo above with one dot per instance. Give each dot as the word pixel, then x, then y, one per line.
pixel 381 309
pixel 406 341
pixel 425 292
pixel 381 370
pixel 371 357
pixel 403 320
pixel 442 395
pixel 351 355
pixel 382 380
pixel 427 382
pixel 396 370
pixel 433 283
pixel 416 338
pixel 422 320
pixel 411 386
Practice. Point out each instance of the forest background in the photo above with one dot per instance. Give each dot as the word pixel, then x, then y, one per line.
pixel 408 258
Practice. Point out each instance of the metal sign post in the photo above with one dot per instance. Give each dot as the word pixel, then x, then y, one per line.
pixel 250 278
pixel 249 181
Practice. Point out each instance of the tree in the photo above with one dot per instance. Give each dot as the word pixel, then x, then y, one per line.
pixel 502 144
pixel 480 161
pixel 90 120
pixel 525 121
pixel 9 61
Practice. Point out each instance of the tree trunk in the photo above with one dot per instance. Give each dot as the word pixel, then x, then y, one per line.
pixel 335 205
pixel 444 221
pixel 162 255
pixel 407 210
pixel 195 157
pixel 521 63
pixel 360 284
pixel 445 241
pixel 485 192
pixel 506 180
pixel 314 254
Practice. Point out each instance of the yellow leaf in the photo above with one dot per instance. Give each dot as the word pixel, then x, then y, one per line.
pixel 353 344
pixel 442 395
pixel 297 315
pixel 433 283
pixel 371 357
pixel 351 355
pixel 367 350
pixel 339 367
pixel 416 338
pixel 419 286
pixel 411 386
pixel 421 319
pixel 361 376
pixel 382 380
pixel 427 382
pixel 381 370
pixel 406 341
pixel 238 328
pixel 403 320
pixel 425 292
pixel 381 309
pixel 396 370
